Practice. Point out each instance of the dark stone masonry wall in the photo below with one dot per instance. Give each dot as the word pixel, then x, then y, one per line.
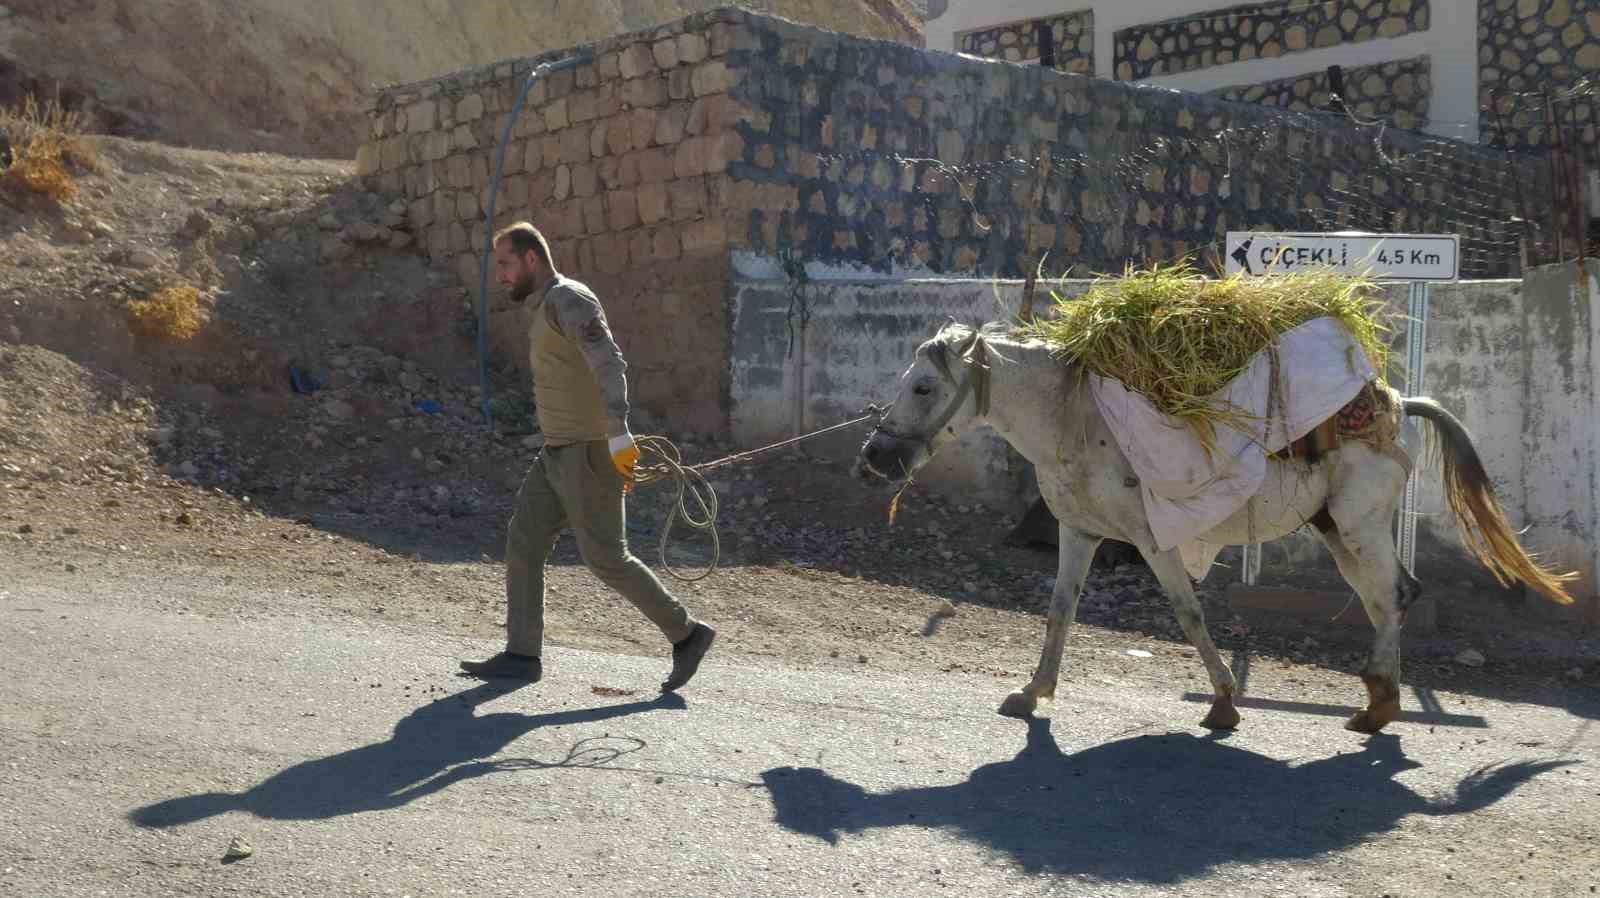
pixel 1073 35
pixel 1535 47
pixel 884 156
pixel 1259 30
pixel 1397 91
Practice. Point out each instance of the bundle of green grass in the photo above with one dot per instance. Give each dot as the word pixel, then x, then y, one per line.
pixel 1178 337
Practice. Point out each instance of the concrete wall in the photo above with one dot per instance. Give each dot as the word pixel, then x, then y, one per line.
pixel 1515 361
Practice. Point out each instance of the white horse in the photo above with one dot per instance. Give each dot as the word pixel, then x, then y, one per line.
pixel 964 377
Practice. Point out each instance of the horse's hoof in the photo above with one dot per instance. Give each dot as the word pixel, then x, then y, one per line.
pixel 1372 720
pixel 1018 704
pixel 1223 716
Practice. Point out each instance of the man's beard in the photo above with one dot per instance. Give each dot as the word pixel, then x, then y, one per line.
pixel 522 289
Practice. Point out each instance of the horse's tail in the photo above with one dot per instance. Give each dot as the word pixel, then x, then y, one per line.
pixel 1484 529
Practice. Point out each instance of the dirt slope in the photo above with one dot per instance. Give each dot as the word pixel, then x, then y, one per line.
pixel 288 76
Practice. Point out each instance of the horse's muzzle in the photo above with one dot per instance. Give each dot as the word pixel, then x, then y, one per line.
pixel 882 456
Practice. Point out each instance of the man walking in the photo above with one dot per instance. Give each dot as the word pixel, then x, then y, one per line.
pixel 581 397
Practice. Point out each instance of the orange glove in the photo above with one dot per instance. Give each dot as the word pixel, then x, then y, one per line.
pixel 624 455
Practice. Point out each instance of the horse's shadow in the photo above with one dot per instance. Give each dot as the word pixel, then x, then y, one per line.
pixel 439 744
pixel 1159 809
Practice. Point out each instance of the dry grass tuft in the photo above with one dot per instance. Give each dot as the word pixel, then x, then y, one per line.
pixel 42 146
pixel 171 313
pixel 1178 337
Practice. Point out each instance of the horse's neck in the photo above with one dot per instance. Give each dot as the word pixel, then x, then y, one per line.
pixel 1034 398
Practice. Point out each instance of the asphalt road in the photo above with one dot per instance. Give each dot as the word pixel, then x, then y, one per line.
pixel 137 738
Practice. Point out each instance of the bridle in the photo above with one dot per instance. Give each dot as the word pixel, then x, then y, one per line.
pixel 975 383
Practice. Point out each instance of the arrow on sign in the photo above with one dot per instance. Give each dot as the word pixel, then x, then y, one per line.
pixel 1242 255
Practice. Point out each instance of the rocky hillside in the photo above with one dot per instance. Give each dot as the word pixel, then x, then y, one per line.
pixel 289 76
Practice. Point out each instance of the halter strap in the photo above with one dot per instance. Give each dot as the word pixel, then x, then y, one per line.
pixel 976 382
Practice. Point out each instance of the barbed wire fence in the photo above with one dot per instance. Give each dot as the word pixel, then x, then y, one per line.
pixel 1138 198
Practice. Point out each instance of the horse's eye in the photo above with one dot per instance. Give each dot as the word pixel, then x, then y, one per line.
pixel 922 389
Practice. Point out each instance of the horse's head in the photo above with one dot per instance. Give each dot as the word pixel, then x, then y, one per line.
pixel 942 394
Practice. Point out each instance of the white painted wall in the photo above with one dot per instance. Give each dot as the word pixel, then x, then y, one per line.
pixel 1515 360
pixel 1451 42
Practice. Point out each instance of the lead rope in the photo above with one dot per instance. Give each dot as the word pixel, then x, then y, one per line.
pixel 660 460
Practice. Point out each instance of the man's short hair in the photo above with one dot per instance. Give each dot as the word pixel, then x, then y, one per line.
pixel 525 238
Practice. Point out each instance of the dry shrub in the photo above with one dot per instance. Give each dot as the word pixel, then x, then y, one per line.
pixel 171 313
pixel 46 145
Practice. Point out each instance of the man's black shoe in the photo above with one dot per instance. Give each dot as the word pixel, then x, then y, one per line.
pixel 686 656
pixel 506 666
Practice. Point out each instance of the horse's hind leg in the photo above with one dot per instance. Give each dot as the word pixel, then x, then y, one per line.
pixel 1366 557
pixel 1072 568
pixel 1168 568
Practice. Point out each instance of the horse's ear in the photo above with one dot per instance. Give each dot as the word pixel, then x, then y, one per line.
pixel 964 348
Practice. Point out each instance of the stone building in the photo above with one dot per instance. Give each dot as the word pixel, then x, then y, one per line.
pixel 1449 67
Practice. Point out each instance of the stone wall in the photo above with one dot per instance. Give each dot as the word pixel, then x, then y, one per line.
pixel 904 160
pixel 1072 33
pixel 1397 91
pixel 728 132
pixel 1535 47
pixel 619 163
pixel 1259 31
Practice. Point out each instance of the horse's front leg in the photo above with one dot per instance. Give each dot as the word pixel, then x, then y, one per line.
pixel 1072 568
pixel 1168 568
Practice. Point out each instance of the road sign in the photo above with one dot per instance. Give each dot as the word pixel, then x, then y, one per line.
pixel 1400 257
pixel 1417 258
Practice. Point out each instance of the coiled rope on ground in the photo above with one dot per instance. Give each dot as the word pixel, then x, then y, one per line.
pixel 660 461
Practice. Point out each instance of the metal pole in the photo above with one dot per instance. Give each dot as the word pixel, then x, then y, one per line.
pixel 1416 358
pixel 488 222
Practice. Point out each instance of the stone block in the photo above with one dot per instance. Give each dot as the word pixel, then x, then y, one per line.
pixel 712 77
pixel 637 61
pixel 693 48
pixel 436 146
pixel 610 66
pixel 574 145
pixel 597 140
pixel 422 117
pixel 622 210
pixel 467 208
pixel 665 52
pixel 469 108
pixel 394 154
pixel 705 235
pixel 655 204
pixel 680 84
pixel 555 115
pixel 640 248
pixel 628 170
pixel 664 245
pixel 647 91
pixel 619 134
pixel 369 160
pixel 419 213
pixel 688 198
pixel 594 215
pixel 541 189
pixel 563 183
pixel 581 106
pixel 611 253
pixel 671 124
pixel 657 165
pixel 585 181
pixel 642 127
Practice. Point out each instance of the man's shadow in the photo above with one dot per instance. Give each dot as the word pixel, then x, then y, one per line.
pixel 1160 809
pixel 435 746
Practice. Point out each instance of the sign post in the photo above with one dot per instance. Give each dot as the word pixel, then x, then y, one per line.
pixel 1419 259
